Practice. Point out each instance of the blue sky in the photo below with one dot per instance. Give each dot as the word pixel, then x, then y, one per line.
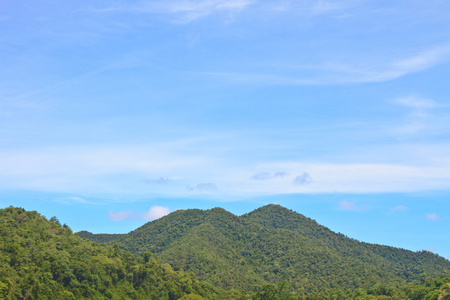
pixel 114 113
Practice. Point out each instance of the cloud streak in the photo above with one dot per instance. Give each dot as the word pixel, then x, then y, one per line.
pixel 203 187
pixel 160 180
pixel 420 117
pixel 182 11
pixel 338 73
pixel 123 215
pixel 268 175
pixel 397 68
pixel 399 208
pixel 105 170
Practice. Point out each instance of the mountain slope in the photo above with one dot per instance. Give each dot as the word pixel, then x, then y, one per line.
pixel 270 245
pixel 407 264
pixel 40 259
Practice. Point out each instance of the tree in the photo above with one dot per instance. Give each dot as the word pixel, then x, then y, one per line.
pixel 445 292
pixel 192 297
pixel 271 292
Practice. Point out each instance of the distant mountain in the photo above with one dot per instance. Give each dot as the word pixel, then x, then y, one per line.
pixel 271 245
pixel 41 259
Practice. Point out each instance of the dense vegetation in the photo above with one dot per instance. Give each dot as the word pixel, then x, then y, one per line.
pixel 272 245
pixel 432 289
pixel 41 259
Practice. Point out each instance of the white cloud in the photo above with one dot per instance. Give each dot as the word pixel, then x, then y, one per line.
pixel 121 170
pixel 156 212
pixel 354 178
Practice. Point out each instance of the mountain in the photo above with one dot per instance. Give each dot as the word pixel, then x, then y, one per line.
pixel 42 259
pixel 272 245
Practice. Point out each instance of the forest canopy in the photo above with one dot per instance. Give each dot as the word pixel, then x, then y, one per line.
pixel 42 259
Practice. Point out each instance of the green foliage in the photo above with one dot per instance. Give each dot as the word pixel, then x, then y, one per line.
pixel 272 292
pixel 274 252
pixel 432 289
pixel 271 245
pixel 40 259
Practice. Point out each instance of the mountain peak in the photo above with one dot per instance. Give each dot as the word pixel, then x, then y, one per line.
pixel 270 244
pixel 272 209
pixel 218 210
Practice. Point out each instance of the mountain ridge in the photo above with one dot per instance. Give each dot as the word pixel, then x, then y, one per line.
pixel 269 245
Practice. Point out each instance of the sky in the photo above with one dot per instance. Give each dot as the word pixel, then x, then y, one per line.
pixel 116 113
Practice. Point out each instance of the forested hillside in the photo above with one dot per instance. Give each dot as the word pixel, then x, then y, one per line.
pixel 271 245
pixel 41 259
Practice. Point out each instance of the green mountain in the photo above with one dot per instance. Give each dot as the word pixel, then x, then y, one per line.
pixel 272 245
pixel 41 259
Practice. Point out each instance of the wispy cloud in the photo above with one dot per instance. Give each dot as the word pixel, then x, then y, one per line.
pixel 203 187
pixel 419 116
pixel 433 217
pixel 403 66
pixel 93 159
pixel 120 169
pixel 399 208
pixel 423 60
pixel 337 73
pixel 268 175
pixel 182 11
pixel 77 200
pixel 416 102
pixel 160 180
pixel 155 212
pixel 123 215
pixel 262 176
pixel 350 206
